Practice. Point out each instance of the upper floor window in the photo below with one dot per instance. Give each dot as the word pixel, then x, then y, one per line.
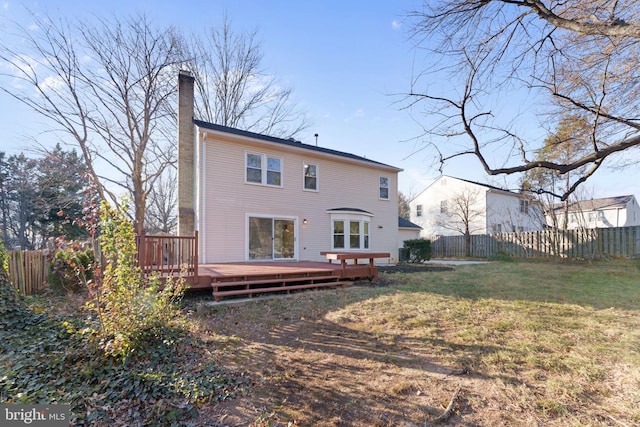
pixel 384 188
pixel 263 169
pixel 311 177
pixel 524 206
pixel 443 207
pixel 419 210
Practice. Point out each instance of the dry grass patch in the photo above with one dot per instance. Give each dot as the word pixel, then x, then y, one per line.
pixel 560 348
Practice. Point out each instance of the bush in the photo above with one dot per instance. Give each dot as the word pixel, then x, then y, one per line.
pixel 130 309
pixel 417 250
pixel 72 268
pixel 49 358
pixel 500 256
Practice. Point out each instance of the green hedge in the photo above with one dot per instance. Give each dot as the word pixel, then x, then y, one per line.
pixel 417 250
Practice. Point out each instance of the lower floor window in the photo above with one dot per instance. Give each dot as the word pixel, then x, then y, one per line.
pixel 355 233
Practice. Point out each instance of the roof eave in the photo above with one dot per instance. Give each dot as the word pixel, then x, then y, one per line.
pixel 295 146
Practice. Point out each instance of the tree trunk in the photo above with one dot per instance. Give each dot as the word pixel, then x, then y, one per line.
pixel 467 243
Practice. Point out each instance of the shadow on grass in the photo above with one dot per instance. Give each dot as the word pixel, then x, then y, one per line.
pixel 335 369
pixel 351 372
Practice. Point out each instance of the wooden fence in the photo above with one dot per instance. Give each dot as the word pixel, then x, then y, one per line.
pixel 168 255
pixel 588 243
pixel 28 270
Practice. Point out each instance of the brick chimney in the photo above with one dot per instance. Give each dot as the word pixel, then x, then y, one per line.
pixel 186 155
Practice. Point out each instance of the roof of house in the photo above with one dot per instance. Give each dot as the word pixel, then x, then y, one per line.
pixel 287 142
pixel 597 204
pixel 405 223
pixel 490 187
pixel 356 210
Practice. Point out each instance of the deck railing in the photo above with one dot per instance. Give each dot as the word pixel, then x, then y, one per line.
pixel 168 255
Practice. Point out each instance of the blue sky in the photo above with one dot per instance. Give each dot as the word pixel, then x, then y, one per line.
pixel 344 59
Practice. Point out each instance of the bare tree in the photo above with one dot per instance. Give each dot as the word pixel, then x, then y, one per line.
pixel 233 90
pixel 162 204
pixel 461 213
pixel 404 210
pixel 578 57
pixel 109 85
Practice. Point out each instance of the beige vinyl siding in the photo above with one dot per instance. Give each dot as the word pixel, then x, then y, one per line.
pixel 226 200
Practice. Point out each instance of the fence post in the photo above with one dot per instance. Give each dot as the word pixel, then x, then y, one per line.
pixel 142 243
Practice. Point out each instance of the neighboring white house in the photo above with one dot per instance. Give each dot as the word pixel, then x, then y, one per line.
pixel 619 211
pixel 257 197
pixel 448 203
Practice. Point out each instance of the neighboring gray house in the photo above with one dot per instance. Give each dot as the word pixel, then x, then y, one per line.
pixel 618 211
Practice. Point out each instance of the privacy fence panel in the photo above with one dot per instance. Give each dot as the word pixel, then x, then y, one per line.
pixel 28 270
pixel 587 243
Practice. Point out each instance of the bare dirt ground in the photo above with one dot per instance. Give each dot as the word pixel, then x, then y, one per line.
pixel 321 359
pixel 311 371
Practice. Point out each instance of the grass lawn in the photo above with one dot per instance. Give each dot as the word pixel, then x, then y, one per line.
pixel 505 343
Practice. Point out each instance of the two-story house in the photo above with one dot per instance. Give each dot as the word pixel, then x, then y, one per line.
pixel 450 206
pixel 255 197
pixel 618 211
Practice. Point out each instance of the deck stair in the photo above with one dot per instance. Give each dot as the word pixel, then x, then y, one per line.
pixel 254 284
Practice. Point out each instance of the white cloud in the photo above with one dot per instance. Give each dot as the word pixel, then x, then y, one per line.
pixel 395 24
pixel 5 5
pixel 52 82
pixel 356 114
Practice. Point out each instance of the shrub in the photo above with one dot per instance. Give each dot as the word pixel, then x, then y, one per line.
pixel 50 358
pixel 417 250
pixel 500 256
pixel 72 268
pixel 130 310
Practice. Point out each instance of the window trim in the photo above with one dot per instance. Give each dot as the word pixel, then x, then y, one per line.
pixel 364 227
pixel 380 187
pixel 264 169
pixel 304 177
pixel 418 210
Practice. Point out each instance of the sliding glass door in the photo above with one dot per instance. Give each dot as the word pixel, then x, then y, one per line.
pixel 271 238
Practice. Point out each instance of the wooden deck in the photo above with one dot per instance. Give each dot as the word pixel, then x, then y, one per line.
pixel 178 255
pixel 253 278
